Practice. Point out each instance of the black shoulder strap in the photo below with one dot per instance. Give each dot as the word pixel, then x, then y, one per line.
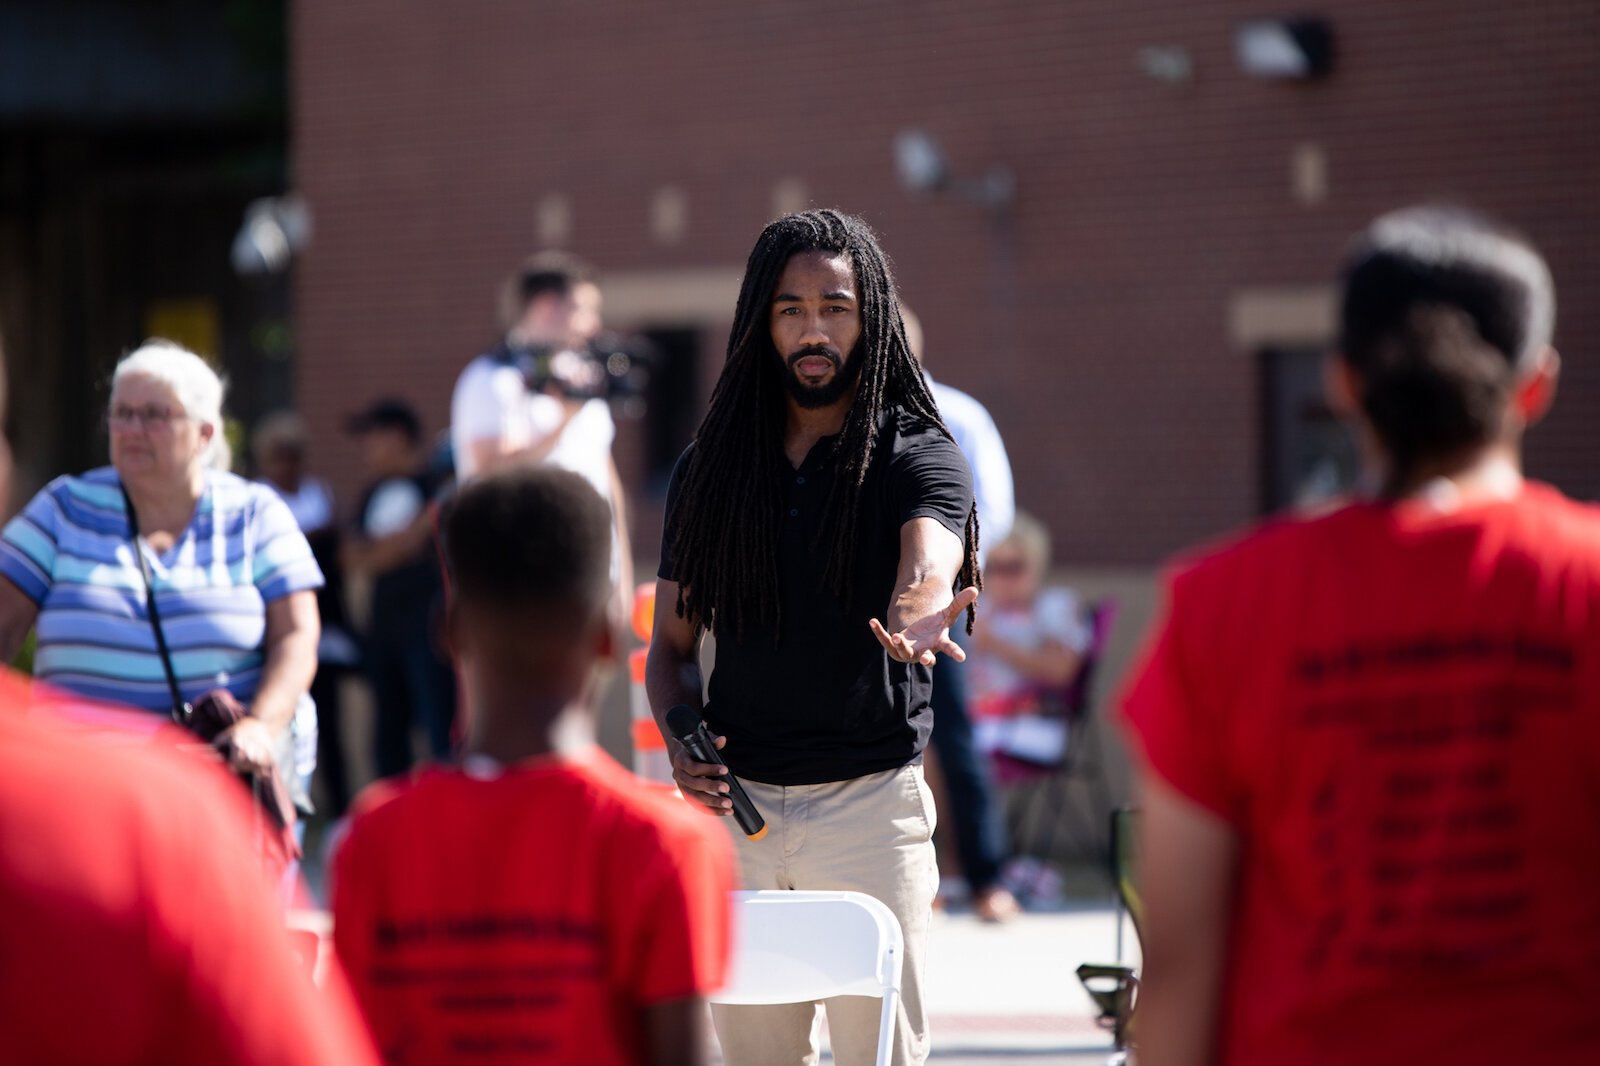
pixel 182 712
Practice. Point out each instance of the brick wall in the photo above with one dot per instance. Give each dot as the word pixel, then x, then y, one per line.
pixel 1093 319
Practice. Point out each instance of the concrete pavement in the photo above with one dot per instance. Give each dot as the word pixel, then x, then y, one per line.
pixel 1001 994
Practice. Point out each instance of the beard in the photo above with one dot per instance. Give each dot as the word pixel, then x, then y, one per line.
pixel 830 392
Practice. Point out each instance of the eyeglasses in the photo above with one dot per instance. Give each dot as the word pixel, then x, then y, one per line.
pixel 121 417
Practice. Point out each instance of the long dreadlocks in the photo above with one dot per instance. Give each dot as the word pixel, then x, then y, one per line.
pixel 728 504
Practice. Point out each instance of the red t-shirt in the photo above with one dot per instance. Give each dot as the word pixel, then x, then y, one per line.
pixel 137 923
pixel 529 914
pixel 1399 713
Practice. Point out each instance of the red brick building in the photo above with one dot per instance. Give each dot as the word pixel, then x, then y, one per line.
pixel 1142 319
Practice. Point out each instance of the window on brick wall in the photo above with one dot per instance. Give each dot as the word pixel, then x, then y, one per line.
pixel 1308 453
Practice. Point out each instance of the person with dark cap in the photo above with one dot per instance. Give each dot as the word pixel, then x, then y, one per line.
pixel 410 674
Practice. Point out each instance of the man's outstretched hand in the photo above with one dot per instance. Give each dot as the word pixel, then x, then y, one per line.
pixel 927 637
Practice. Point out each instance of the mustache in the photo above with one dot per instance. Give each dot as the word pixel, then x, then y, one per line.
pixel 815 351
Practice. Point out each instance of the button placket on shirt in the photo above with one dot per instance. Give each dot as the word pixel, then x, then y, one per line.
pixel 798 494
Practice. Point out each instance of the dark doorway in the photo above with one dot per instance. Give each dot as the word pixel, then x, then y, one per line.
pixel 132 139
pixel 672 411
pixel 1308 454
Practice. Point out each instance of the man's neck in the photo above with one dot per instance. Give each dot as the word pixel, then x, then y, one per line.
pixel 515 730
pixel 1477 475
pixel 807 425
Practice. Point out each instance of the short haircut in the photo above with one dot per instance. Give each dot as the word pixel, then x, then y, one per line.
pixel 388 415
pixel 199 388
pixel 541 274
pixel 524 538
pixel 1442 309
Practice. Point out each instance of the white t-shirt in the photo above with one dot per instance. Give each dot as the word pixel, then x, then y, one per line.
pixel 492 402
pixel 1055 616
pixel 979 440
pixel 392 507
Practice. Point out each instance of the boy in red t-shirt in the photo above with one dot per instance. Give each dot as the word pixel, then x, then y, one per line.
pixel 1372 739
pixel 538 904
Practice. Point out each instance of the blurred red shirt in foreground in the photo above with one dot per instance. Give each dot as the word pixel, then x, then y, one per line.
pixel 1398 712
pixel 137 924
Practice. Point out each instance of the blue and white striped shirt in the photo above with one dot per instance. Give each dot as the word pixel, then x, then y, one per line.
pixel 70 552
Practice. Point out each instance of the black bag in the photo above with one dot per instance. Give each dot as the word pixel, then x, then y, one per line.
pixel 215 713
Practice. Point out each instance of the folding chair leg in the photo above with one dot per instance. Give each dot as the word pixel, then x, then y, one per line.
pixel 1088 767
pixel 891 1009
pixel 1024 834
pixel 1098 787
pixel 1054 791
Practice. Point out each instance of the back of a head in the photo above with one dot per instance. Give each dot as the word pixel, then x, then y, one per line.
pixel 1442 311
pixel 531 542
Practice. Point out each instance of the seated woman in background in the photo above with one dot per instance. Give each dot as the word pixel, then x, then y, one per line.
pixel 232 576
pixel 1025 650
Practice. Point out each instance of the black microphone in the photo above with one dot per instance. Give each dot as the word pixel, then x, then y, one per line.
pixel 692 733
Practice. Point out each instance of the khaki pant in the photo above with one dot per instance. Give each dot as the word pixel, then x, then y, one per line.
pixel 873 834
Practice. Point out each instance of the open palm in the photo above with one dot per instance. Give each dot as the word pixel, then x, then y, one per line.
pixel 927 637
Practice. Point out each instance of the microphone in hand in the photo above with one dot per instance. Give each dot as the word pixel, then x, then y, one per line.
pixel 692 733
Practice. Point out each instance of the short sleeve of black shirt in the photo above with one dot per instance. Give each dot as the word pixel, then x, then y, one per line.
pixel 928 477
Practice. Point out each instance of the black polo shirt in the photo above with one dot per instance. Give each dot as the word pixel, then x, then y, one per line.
pixel 824 702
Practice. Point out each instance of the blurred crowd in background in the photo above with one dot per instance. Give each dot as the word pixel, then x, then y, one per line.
pixel 1118 225
pixel 414 240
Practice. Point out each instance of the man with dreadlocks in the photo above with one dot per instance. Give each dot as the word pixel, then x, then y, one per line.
pixel 821 494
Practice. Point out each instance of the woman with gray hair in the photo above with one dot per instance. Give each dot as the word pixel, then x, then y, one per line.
pixel 163 578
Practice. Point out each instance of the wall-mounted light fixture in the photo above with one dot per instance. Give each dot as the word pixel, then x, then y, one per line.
pixel 274 229
pixel 1171 64
pixel 1293 49
pixel 922 168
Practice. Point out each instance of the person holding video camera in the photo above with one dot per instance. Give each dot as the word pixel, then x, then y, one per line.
pixel 541 394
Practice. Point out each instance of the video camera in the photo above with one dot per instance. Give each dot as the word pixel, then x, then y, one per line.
pixel 612 367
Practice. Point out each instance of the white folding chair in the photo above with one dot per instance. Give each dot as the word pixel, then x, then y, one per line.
pixel 799 947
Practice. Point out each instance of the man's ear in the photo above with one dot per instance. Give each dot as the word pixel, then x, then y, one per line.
pixel 1536 388
pixel 1340 385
